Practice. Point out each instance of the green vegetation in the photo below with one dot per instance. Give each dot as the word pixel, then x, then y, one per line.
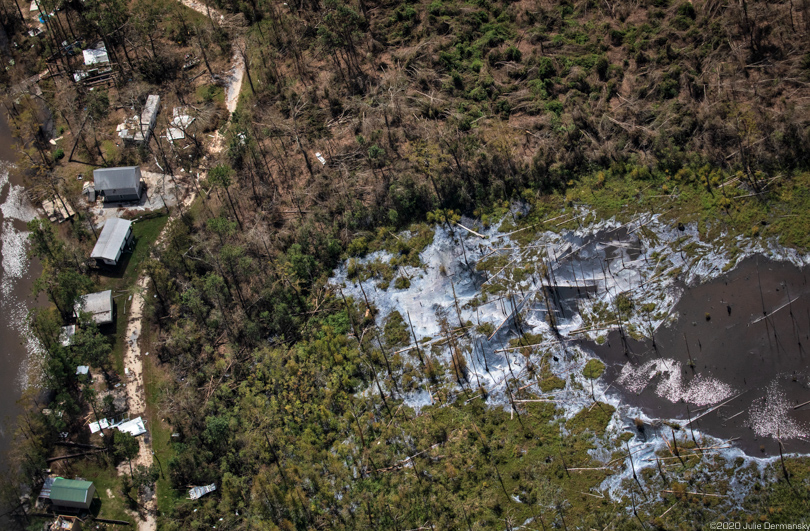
pixel 593 369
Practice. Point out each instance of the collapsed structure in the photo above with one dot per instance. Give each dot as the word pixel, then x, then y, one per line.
pixel 138 130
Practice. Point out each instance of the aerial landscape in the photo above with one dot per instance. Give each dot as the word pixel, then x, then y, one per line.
pixel 418 265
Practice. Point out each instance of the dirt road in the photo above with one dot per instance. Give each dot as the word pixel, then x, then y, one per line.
pixel 133 360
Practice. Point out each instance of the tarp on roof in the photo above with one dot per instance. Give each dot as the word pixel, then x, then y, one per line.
pixel 82 369
pixel 71 490
pixel 46 487
pixel 112 238
pixel 123 178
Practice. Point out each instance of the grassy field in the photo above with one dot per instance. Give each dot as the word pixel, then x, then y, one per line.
pixel 108 489
pixel 154 377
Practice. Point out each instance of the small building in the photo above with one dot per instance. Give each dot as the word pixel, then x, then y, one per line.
pixel 99 305
pixel 96 55
pixel 118 184
pixel 72 493
pixel 137 130
pixel 66 336
pixel 134 427
pixel 115 238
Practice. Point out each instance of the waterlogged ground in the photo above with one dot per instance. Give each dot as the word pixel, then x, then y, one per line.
pixel 688 331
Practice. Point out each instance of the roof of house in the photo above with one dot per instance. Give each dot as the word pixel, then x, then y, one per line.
pixel 99 304
pixel 96 55
pixel 112 236
pixel 134 427
pixel 123 178
pixel 66 336
pixel 70 490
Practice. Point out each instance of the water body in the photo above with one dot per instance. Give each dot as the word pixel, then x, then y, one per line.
pixel 747 334
pixel 17 273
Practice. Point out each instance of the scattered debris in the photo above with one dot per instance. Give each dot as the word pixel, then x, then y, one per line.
pixel 197 492
pixel 58 211
pixel 138 130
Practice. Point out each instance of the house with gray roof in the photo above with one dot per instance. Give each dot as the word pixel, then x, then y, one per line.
pixel 115 238
pixel 118 184
pixel 99 305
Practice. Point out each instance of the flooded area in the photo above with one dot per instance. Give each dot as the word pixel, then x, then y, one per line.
pixel 16 277
pixel 747 334
pixel 706 342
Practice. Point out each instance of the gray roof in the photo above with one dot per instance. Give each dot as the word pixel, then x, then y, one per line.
pixel 99 304
pixel 124 178
pixel 111 239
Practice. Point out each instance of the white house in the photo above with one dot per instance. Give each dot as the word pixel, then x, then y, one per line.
pixel 114 239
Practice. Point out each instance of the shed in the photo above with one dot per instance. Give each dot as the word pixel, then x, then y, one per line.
pixel 99 305
pixel 198 492
pixel 72 493
pixel 115 238
pixel 66 336
pixel 96 55
pixel 118 184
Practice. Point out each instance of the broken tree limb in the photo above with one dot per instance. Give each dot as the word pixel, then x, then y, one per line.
pixel 469 230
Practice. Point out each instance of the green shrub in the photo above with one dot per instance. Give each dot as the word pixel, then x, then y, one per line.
pixel 402 283
pixel 593 369
pixel 59 154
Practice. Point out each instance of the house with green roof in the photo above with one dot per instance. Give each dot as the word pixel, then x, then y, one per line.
pixel 72 493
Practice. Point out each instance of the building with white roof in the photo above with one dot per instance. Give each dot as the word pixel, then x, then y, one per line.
pixel 114 239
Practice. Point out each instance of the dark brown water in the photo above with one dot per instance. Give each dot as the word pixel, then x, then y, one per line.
pixel 16 276
pixel 760 364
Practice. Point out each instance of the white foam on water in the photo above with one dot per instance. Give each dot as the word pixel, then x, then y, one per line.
pixel 13 245
pixel 768 417
pixel 15 265
pixel 16 204
pixel 700 391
